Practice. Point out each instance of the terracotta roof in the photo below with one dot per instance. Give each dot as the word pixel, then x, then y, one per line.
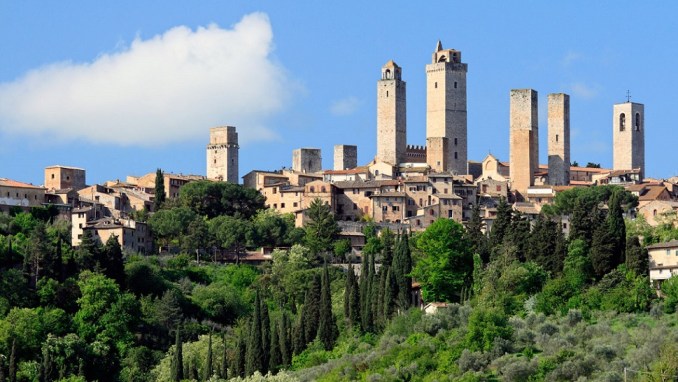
pixel 653 193
pixel 357 170
pixel 366 184
pixel 668 244
pixel 67 167
pixel 13 183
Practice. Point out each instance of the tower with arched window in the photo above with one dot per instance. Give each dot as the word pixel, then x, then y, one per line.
pixel 391 115
pixel 446 111
pixel 628 137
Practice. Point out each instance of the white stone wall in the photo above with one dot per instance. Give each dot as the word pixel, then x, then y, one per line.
pixel 222 154
pixel 629 143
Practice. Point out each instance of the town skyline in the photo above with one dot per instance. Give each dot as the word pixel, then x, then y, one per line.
pixel 321 83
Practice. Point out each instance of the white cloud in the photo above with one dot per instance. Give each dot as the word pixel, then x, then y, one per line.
pixel 571 57
pixel 168 88
pixel 346 106
pixel 580 89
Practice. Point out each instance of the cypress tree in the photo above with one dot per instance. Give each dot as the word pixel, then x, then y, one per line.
pixel 265 336
pixel 584 219
pixel 475 235
pixel 519 235
pixel 223 371
pixel 354 302
pixel 299 340
pixel 501 224
pixel 327 330
pixel 390 294
pixel 112 260
pixel 378 301
pixel 616 227
pixel 366 297
pixel 192 369
pixel 364 281
pixel 12 362
pixel 636 257
pixel 59 261
pixel 2 369
pixel 159 190
pixel 255 358
pixel 207 373
pixel 387 242
pixel 178 359
pixel 275 358
pixel 311 311
pixel 285 341
pixel 602 252
pixel 47 369
pixel 347 293
pixel 402 267
pixel 240 357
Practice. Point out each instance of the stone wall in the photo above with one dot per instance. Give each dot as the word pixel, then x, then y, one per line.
pixel 559 139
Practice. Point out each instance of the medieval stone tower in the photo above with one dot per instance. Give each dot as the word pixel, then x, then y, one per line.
pixel 222 154
pixel 446 111
pixel 628 121
pixel 524 139
pixel 307 160
pixel 391 115
pixel 345 157
pixel 559 139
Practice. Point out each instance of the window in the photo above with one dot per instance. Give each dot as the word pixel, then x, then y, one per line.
pixel 455 141
pixel 637 124
pixel 622 122
pixel 294 204
pixel 275 205
pixel 455 155
pixel 282 205
pixel 556 137
pixel 435 85
pixel 432 212
pixel 384 208
pixel 449 214
pixel 445 190
pixel 498 188
pixel 355 206
pixel 312 189
pixel 455 84
pixel 387 94
pixel 52 176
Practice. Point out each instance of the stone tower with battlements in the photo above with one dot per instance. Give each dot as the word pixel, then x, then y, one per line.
pixel 391 115
pixel 559 139
pixel 345 157
pixel 446 111
pixel 222 154
pixel 524 139
pixel 629 137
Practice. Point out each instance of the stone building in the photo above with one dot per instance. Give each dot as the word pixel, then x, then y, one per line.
pixel 446 111
pixel 345 157
pixel 306 160
pixel 524 139
pixel 19 194
pixel 222 154
pixel 391 115
pixel 559 139
pixel 63 177
pixel 628 137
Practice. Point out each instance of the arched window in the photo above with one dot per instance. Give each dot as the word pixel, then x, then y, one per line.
pixel 442 58
pixel 637 124
pixel 322 189
pixel 387 74
pixel 622 122
pixel 312 189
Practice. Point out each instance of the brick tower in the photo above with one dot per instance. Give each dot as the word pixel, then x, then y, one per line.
pixel 524 139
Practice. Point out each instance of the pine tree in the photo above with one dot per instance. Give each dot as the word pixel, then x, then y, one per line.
pixel 327 330
pixel 159 190
pixel 207 373
pixel 402 267
pixel 265 336
pixel 178 359
pixel 255 357
pixel 275 357
pixel 285 341
pixel 502 224
pixel 311 311
pixel 12 362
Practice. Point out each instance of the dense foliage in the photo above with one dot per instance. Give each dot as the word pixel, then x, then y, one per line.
pixel 524 303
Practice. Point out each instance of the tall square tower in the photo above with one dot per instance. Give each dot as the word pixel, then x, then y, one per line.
pixel 222 154
pixel 391 115
pixel 524 139
pixel 446 110
pixel 628 123
pixel 559 139
pixel 307 160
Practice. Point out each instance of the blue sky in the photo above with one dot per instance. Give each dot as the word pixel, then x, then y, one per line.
pixel 122 88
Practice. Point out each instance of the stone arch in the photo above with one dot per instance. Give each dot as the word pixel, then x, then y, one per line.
pixel 637 122
pixel 622 122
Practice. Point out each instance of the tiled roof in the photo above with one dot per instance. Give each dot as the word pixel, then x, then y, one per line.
pixel 668 244
pixel 13 183
pixel 366 184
